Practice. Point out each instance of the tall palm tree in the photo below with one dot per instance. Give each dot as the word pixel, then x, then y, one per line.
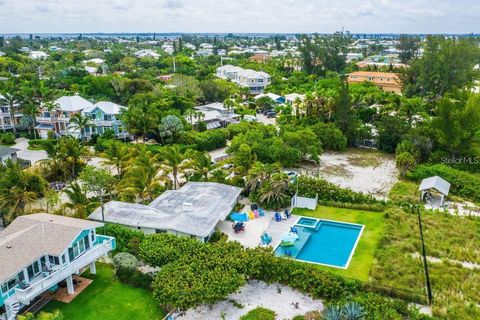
pixel 143 182
pixel 78 200
pixel 54 158
pixel 260 172
pixel 173 162
pixel 16 191
pixel 80 122
pixel 190 114
pixel 30 110
pixel 74 153
pixel 9 99
pixel 199 116
pixel 117 155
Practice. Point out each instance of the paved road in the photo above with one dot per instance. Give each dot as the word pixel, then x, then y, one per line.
pixel 24 153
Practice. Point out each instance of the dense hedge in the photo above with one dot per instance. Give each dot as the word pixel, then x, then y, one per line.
pixel 327 191
pixel 38 144
pixel 207 140
pixel 127 239
pixel 463 184
pixel 7 139
pixel 378 207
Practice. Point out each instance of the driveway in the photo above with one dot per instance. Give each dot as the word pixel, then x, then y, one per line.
pixel 24 153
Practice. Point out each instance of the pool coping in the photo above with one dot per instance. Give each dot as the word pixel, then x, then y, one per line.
pixel 324 264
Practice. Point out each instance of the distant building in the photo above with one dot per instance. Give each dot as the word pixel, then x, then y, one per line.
pixel 389 82
pixel 291 98
pixel 215 115
pixel 6 119
pixel 256 81
pixel 37 55
pixel 260 57
pixel 146 54
pixel 275 97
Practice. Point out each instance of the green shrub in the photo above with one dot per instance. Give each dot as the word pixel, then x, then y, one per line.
pixel 7 139
pixel 377 207
pixel 39 144
pixel 205 141
pixel 127 239
pixel 327 191
pixel 463 184
pixel 331 137
pixel 259 314
pixel 126 271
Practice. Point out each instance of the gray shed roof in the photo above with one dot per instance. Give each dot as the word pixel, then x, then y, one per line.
pixel 194 209
pixel 6 151
pixel 32 236
pixel 436 183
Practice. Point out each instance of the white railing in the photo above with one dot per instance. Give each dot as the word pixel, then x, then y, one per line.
pixel 43 119
pixel 106 123
pixel 28 294
pixel 62 119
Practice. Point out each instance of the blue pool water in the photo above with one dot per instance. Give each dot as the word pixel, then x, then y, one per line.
pixel 307 222
pixel 330 243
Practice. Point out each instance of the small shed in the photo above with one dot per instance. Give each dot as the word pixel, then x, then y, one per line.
pixel 434 187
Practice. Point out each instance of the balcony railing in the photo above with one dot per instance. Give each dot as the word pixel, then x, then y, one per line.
pixel 102 247
pixel 43 119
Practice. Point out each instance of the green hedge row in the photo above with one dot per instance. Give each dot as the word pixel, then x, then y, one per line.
pixel 463 184
pixel 207 140
pixel 327 191
pixel 7 139
pixel 39 144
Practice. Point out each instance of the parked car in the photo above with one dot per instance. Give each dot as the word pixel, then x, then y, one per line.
pixel 271 114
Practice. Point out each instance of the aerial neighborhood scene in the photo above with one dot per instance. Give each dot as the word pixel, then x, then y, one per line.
pixel 263 160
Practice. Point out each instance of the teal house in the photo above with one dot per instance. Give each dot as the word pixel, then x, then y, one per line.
pixel 39 252
pixel 105 115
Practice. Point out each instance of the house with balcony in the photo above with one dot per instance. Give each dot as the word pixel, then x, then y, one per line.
pixel 6 119
pixel 255 81
pixel 215 115
pixel 58 119
pixel 105 115
pixel 40 252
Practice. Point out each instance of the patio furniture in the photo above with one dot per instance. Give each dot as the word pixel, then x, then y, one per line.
pixel 238 226
pixel 239 216
pixel 266 238
pixel 288 214
pixel 277 217
pixel 261 212
pixel 294 230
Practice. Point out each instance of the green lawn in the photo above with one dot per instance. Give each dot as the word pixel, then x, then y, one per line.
pixel 362 260
pixel 107 298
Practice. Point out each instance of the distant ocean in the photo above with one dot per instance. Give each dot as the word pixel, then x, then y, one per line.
pixel 174 35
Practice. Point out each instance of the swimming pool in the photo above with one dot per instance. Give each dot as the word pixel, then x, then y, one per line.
pixel 330 243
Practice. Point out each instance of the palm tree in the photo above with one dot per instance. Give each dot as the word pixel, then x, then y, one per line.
pixel 80 122
pixel 229 104
pixel 78 200
pixel 190 114
pixel 73 152
pixel 202 164
pixel 260 172
pixel 11 101
pixel 199 116
pixel 16 191
pixel 54 158
pixel 274 192
pixel 142 182
pixel 174 162
pixel 139 120
pixel 30 110
pixel 117 155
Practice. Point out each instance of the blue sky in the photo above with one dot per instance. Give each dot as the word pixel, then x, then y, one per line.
pixel 370 16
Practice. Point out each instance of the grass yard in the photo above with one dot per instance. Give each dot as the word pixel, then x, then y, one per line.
pixel 107 298
pixel 362 260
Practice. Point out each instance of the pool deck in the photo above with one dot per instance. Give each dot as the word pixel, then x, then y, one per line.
pixel 250 238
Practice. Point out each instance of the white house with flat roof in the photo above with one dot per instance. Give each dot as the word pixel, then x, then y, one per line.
pixel 256 81
pixel 39 251
pixel 6 119
pixel 7 153
pixel 193 210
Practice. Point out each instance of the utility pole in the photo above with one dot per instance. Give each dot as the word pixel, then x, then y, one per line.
pixel 174 65
pixel 424 254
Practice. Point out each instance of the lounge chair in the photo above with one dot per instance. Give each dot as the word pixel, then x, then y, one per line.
pixel 277 217
pixel 288 214
pixel 266 239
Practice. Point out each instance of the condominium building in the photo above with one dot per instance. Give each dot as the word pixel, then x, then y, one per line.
pixel 256 81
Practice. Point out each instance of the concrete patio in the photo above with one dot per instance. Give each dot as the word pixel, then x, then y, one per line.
pixel 250 238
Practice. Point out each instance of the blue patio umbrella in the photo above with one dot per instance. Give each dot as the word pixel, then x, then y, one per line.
pixel 239 216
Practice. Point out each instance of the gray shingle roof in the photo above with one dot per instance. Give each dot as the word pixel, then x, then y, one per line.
pixel 194 209
pixel 32 236
pixel 5 151
pixel 436 183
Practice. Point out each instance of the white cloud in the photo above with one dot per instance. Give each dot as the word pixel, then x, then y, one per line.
pixel 412 16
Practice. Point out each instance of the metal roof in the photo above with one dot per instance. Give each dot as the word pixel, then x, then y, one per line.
pixel 194 209
pixel 436 183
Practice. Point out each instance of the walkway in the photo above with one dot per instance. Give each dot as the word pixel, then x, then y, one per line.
pixel 250 238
